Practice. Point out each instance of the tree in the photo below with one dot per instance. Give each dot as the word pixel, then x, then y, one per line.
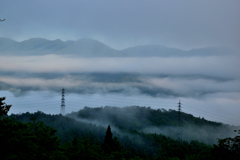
pixel 108 136
pixel 32 140
pixel 228 148
pixel 110 144
pixel 4 108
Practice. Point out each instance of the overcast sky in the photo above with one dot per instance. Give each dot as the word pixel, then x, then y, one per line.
pixel 122 23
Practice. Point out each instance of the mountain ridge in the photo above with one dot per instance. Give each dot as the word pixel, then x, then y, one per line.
pixel 86 47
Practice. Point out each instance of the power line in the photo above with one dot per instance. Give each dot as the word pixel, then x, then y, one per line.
pixel 106 100
pixel 211 114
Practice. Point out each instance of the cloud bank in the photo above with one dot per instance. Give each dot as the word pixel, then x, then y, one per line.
pixel 187 77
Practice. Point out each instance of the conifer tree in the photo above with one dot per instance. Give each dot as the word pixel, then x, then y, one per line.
pixel 108 137
pixel 108 141
pixel 110 144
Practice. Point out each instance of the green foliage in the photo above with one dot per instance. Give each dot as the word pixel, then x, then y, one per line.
pixel 158 121
pixel 228 148
pixel 67 128
pixel 136 117
pixel 82 149
pixel 4 108
pixel 81 140
pixel 31 140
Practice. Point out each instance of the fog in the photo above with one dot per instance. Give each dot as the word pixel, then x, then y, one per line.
pixel 207 86
pixel 219 67
pixel 190 132
pixel 139 118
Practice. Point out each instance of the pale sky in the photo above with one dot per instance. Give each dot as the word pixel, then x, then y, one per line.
pixel 181 24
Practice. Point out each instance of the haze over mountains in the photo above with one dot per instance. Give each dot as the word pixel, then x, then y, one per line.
pixel 92 48
pixel 87 68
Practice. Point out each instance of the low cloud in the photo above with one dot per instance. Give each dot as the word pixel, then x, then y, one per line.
pixel 39 82
pixel 208 83
pixel 208 66
pixel 198 87
pixel 177 77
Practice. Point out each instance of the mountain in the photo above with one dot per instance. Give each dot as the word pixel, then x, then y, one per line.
pixel 210 51
pixel 162 51
pixel 33 46
pixel 152 51
pixel 6 45
pixel 40 46
pixel 89 48
pixel 92 48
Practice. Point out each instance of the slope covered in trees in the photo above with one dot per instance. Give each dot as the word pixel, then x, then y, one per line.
pixel 159 121
pixel 115 136
pixel 92 142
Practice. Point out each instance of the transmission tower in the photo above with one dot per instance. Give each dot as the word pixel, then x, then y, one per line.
pixel 179 121
pixel 63 102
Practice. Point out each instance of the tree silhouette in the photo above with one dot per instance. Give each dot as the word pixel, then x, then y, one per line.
pixel 108 136
pixel 4 108
pixel 110 144
pixel 228 148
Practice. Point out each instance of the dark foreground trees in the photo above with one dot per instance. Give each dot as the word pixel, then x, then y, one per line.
pixel 4 108
pixel 110 144
pixel 32 140
pixel 228 148
pixel 35 140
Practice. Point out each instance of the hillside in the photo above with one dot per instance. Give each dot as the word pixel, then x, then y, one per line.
pixel 160 121
pixel 135 119
pixel 84 135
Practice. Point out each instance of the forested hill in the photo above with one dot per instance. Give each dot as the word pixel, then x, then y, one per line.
pixel 136 117
pixel 89 121
pixel 160 121
pixel 137 132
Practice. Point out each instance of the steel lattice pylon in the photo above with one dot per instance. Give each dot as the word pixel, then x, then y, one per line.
pixel 63 102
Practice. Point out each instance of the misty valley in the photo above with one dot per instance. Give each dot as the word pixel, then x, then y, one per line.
pixel 120 104
pixel 119 80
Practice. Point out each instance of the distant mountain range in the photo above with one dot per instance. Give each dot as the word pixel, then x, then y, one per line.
pixel 93 48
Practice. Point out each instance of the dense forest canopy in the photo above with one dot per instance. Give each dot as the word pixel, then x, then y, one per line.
pixel 26 136
pixel 83 135
pixel 161 121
